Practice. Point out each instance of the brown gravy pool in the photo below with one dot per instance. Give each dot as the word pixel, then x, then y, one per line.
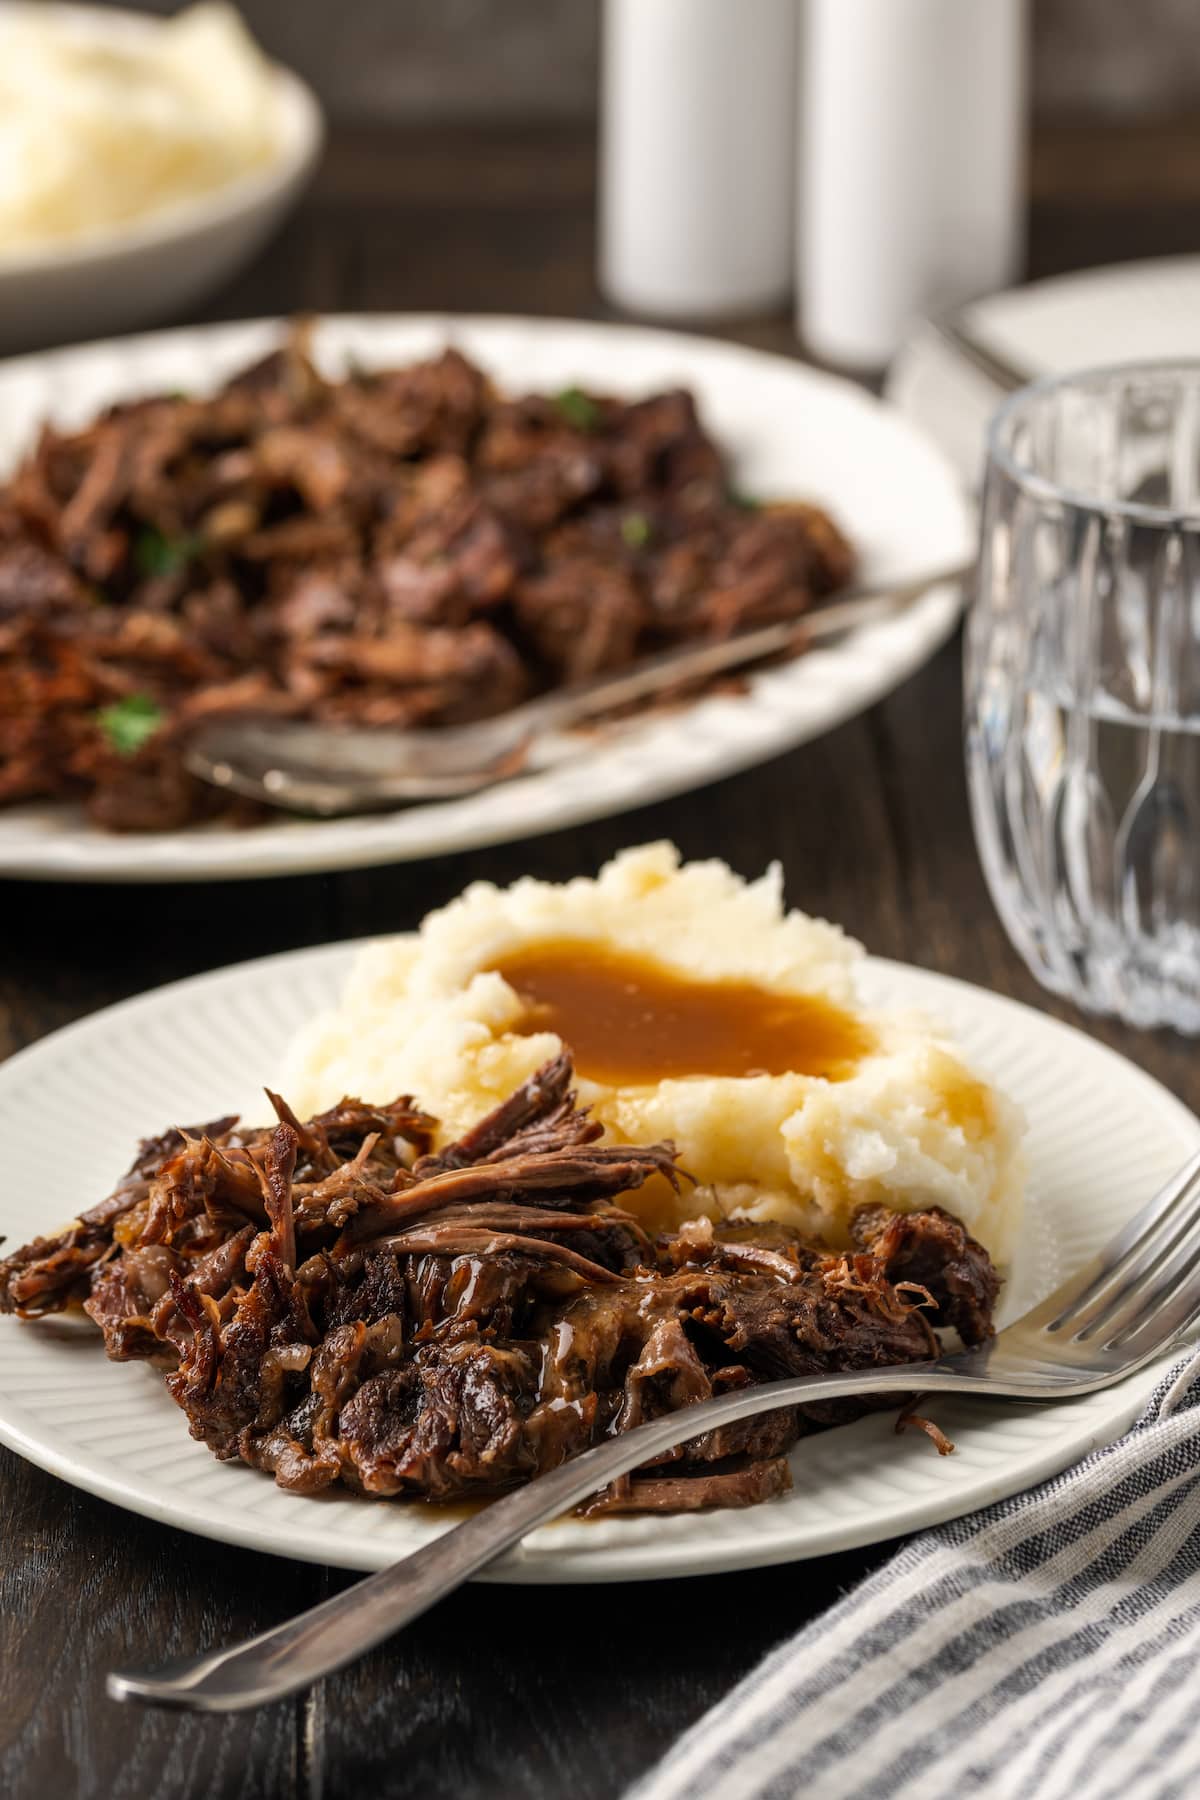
pixel 631 1022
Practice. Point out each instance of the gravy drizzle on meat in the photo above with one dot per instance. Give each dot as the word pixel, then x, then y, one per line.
pixel 332 1300
pixel 403 548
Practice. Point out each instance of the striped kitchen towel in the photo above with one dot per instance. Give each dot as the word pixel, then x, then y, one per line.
pixel 1047 1648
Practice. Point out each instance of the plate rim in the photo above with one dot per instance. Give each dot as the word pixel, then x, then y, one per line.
pixel 1103 1416
pixel 889 653
pixel 1101 275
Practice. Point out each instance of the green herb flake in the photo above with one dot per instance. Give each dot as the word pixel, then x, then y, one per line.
pixel 743 502
pixel 129 723
pixel 635 529
pixel 156 554
pixel 578 409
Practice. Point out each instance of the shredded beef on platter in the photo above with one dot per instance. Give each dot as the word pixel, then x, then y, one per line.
pixel 405 547
pixel 333 1300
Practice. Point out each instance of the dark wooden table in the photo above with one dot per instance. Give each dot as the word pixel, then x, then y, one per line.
pixel 502 1692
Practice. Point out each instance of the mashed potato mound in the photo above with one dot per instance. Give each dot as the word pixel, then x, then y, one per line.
pixel 99 127
pixel 909 1126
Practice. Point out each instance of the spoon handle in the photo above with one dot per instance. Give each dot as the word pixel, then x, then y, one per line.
pixel 648 677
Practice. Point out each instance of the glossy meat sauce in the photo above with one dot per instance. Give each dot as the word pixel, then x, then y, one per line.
pixel 631 1022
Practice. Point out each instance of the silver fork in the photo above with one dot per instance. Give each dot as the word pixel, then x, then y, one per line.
pixel 1122 1309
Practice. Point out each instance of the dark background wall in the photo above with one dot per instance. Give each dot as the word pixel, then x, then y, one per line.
pixel 484 59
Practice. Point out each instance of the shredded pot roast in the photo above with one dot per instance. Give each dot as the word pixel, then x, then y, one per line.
pixel 332 1301
pixel 404 548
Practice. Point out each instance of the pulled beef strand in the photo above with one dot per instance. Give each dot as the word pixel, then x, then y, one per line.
pixel 399 548
pixel 331 1300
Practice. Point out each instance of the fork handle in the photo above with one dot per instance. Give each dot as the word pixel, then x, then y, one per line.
pixel 327 1637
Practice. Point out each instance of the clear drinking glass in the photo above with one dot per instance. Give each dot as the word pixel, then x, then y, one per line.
pixel 1083 687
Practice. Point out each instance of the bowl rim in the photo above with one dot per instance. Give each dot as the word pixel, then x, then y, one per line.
pixel 1041 487
pixel 301 135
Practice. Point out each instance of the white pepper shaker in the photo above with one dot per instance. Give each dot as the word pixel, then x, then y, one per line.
pixel 911 166
pixel 697 155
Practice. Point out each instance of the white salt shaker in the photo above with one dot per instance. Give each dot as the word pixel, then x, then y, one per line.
pixel 697 155
pixel 910 198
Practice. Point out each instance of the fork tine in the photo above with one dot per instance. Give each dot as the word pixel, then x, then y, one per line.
pixel 1137 1305
pixel 1150 1233
pixel 1176 1310
pixel 1160 1248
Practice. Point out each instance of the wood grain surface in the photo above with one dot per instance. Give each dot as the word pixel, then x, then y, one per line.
pixel 424 60
pixel 504 1693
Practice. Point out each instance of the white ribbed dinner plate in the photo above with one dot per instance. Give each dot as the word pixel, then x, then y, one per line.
pixel 1102 1136
pixel 790 430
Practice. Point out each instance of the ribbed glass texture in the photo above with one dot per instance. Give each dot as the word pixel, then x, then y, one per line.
pixel 1083 688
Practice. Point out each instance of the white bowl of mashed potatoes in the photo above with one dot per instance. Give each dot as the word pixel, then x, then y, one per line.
pixel 142 160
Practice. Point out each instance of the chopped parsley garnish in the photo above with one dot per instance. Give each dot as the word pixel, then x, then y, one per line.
pixel 128 723
pixel 156 554
pixel 635 529
pixel 744 502
pixel 578 409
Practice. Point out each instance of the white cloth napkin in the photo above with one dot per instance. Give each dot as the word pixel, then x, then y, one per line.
pixel 1047 1648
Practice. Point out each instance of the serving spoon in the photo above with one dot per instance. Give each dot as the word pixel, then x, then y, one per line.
pixel 329 770
pixel 1125 1307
